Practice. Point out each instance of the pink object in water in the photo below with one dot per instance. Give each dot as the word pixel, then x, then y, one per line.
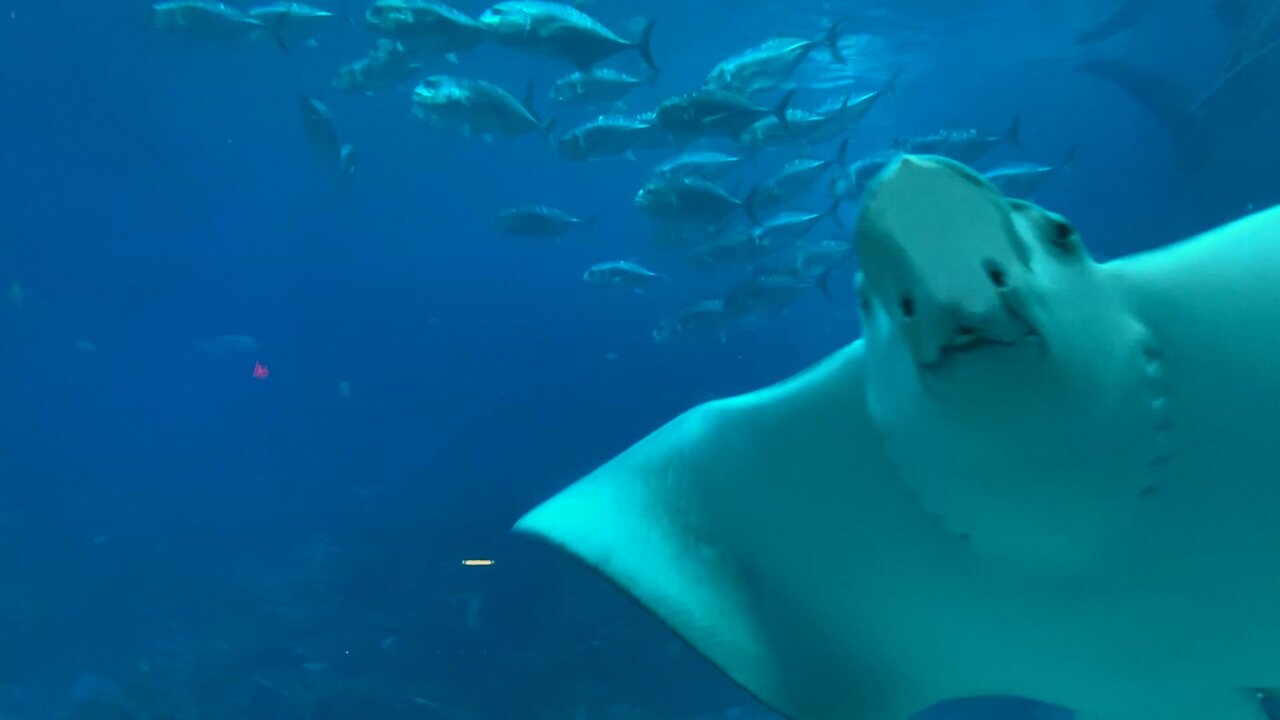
pixel 260 371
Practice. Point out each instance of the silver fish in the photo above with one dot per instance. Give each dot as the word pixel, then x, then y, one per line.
pixel 608 136
pixel 687 200
pixel 212 21
pixel 964 145
pixel 292 22
pixel 813 127
pixel 322 132
pixel 795 179
pixel 474 108
pixel 596 86
pixel 426 27
pixel 537 221
pixel 388 64
pixel 710 112
pixel 770 64
pixel 788 227
pixel 706 164
pixel 1022 180
pixel 736 249
pixel 562 32
pixel 620 273
pixel 702 317
pixel 815 262
pixel 766 293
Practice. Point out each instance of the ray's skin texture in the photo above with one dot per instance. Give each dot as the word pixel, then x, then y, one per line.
pixel 1036 476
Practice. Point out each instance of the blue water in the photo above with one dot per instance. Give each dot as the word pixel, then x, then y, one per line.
pixel 182 540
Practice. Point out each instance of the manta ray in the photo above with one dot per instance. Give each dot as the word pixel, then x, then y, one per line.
pixel 1034 475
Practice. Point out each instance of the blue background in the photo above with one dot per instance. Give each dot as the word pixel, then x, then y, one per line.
pixel 184 540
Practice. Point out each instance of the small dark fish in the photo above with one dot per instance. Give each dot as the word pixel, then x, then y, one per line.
pixel 737 249
pixel 703 317
pixel 1268 702
pixel 965 146
pixel 562 32
pixel 766 293
pixel 321 131
pixel 685 235
pixel 228 345
pixel 620 273
pixel 537 221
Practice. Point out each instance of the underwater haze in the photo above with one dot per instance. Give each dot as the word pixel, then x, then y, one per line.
pixel 281 352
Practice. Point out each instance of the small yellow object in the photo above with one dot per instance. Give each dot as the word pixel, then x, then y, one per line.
pixel 477 563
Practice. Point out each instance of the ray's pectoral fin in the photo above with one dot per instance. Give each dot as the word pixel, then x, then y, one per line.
pixel 767 532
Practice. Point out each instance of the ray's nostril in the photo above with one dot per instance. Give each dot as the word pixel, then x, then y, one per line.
pixel 997 275
pixel 908 308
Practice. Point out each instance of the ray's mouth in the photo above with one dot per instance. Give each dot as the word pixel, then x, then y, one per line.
pixel 968 340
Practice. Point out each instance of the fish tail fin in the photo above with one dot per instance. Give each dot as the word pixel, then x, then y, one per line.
pixel 643 45
pixel 841 184
pixel 277 32
pixel 841 153
pixel 1069 158
pixel 544 126
pixel 749 205
pixel 824 281
pixel 891 85
pixel 280 42
pixel 347 164
pixel 1014 134
pixel 831 38
pixel 527 102
pixel 833 212
pixel 780 110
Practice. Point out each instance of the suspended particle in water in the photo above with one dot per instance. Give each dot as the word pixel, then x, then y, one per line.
pixel 260 371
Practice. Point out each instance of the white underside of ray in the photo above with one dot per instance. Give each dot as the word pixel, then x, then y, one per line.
pixel 769 531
